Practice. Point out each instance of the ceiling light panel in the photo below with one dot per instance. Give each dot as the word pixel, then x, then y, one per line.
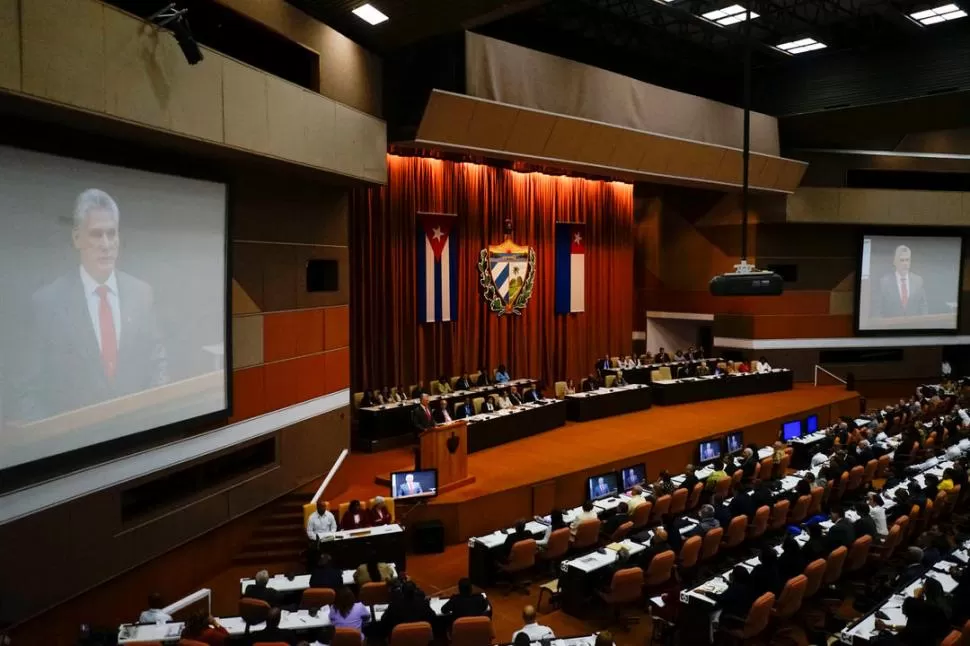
pixel 801 46
pixel 730 15
pixel 370 14
pixel 943 13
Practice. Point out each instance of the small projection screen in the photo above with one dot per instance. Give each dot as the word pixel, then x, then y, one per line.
pixel 113 315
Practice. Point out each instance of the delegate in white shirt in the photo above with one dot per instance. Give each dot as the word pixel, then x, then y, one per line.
pixel 764 367
pixel 319 525
pixel 94 303
pixel 536 632
pixel 878 516
pixel 154 616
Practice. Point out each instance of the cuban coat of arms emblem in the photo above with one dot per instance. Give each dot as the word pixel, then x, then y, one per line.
pixel 507 275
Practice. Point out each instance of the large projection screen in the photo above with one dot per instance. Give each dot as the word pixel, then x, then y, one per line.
pixel 112 303
pixel 909 283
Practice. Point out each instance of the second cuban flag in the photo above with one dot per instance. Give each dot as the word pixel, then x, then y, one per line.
pixel 570 268
pixel 437 270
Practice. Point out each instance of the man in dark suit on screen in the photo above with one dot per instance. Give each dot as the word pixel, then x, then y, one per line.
pixel 95 334
pixel 901 292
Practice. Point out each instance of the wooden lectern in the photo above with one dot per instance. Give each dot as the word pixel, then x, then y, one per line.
pixel 445 448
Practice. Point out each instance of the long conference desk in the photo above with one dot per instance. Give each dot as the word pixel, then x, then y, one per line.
pixel 350 548
pixel 606 402
pixel 491 429
pixel 695 389
pixel 389 420
pixel 643 374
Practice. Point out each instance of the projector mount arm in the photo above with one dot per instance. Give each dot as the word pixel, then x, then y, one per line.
pixel 166 15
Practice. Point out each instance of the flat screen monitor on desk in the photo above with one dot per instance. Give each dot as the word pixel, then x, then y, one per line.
pixel 414 484
pixel 709 450
pixel 635 474
pixel 791 430
pixel 734 442
pixel 602 486
pixel 811 424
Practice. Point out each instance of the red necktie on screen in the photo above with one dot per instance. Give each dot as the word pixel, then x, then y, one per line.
pixel 109 339
pixel 903 291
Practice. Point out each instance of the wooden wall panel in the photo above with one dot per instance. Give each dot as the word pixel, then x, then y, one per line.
pixel 311 378
pixel 245 107
pixel 247 341
pixel 63 51
pixel 490 125
pixel 529 133
pixel 248 393
pixel 876 206
pixel 309 331
pixel 321 134
pixel 10 44
pixel 281 277
pixel 136 69
pixel 349 137
pixel 281 383
pixel 781 326
pixel 284 113
pixel 337 324
pixel 279 335
pixel 338 369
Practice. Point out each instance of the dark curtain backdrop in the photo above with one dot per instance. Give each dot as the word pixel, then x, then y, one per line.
pixel 389 346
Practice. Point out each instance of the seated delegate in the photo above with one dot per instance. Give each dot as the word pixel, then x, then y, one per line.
pixel 466 603
pixel 321 522
pixel 502 375
pixel 355 517
pixel 261 590
pixel 379 514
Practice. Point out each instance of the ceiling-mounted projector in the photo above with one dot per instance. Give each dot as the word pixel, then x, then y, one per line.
pixel 747 280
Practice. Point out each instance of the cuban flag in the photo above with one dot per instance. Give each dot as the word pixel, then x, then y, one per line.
pixel 570 268
pixel 437 251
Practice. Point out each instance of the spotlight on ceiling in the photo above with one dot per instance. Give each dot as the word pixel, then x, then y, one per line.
pixel 176 21
pixel 730 15
pixel 942 13
pixel 801 46
pixel 370 14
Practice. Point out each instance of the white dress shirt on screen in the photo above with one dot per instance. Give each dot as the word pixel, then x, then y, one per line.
pixel 154 616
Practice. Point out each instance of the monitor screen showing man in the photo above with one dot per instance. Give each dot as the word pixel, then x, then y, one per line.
pixel 734 442
pixel 113 319
pixel 602 486
pixel 909 282
pixel 634 475
pixel 414 484
pixel 709 450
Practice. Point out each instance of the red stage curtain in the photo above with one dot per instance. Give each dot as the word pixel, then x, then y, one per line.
pixel 389 346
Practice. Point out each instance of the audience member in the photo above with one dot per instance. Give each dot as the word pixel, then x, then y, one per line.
pixel 321 522
pixel 533 394
pixel 865 526
pixel 441 414
pixel 740 594
pixel 717 475
pixel 418 390
pixel 570 388
pixel 613 523
pixel 513 396
pixel 518 534
pixel 408 604
pixel 260 589
pixel 467 409
pixel 272 633
pixel 203 627
pixel 347 612
pixel 465 603
pixel 503 401
pixel 707 521
pixel 555 522
pixel 636 498
pixel 661 356
pixel 619 380
pixel 763 365
pixel 816 547
pixel 664 485
pixel 591 383
pixel 791 563
pixel 588 513
pixel 355 517
pixel 535 631
pixel 325 575
pixel 373 570
pixel 878 514
pixel 463 382
pixel 483 377
pixel 502 375
pixel 690 480
pixel 765 576
pixel 488 406
pixel 658 545
pixel 155 614
pixel 841 534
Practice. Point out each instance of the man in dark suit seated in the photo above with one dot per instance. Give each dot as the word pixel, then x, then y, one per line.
pixel 488 406
pixel 737 599
pixel 272 633
pixel 690 480
pixel 865 526
pixel 602 365
pixel 418 390
pixel 661 356
pixel 463 383
pixel 658 545
pixel 761 496
pixel 841 534
pixel 621 516
pixel 483 377
pixel 441 414
pixel 749 462
pixel 532 395
pixel 260 590
pixel 742 504
pixel 591 383
pixel 408 604
pixel 817 546
pixel 465 410
pixel 519 533
pixel 514 396
pixel 325 575
pixel 466 603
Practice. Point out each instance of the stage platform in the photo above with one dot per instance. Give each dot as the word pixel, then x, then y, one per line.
pixel 531 476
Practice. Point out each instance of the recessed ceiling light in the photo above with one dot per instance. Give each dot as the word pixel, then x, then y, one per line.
pixel 369 13
pixel 801 46
pixel 942 13
pixel 730 15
